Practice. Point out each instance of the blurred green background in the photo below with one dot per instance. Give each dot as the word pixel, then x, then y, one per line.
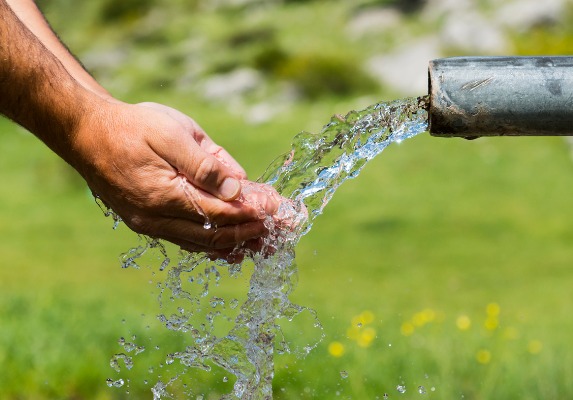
pixel 443 270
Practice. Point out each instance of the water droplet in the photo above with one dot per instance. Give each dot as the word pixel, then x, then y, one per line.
pixel 433 389
pixel 216 301
pixel 239 389
pixel 114 362
pixel 343 374
pixel 385 397
pixel 111 383
pixel 225 379
pixel 401 388
pixel 421 390
pixel 359 324
pixel 207 225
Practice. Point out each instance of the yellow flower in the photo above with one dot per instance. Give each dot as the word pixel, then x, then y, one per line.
pixel 491 323
pixel 407 328
pixel 492 309
pixel 534 346
pixel 367 317
pixel 364 318
pixel 336 349
pixel 483 356
pixel 429 314
pixel 366 337
pixel 423 317
pixel 463 322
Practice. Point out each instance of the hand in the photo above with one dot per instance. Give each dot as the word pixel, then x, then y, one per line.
pixel 155 167
pixel 161 173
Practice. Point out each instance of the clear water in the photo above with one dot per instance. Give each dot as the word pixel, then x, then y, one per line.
pixel 243 336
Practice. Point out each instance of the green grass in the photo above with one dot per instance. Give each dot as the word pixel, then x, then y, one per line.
pixel 431 233
pixel 432 224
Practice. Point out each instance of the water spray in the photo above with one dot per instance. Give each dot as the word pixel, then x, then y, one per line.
pixel 501 96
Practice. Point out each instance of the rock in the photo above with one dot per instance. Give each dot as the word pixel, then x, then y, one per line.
pixel 523 15
pixel 373 20
pixel 406 70
pixel 231 85
pixel 261 113
pixel 279 103
pixel 471 32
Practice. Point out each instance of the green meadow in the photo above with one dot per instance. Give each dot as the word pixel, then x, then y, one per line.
pixel 443 271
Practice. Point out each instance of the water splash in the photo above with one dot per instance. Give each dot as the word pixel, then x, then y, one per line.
pixel 318 164
pixel 243 340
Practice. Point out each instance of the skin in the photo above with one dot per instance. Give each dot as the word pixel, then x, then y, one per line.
pixel 153 165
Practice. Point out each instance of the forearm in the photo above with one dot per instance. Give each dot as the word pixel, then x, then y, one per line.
pixel 29 14
pixel 36 90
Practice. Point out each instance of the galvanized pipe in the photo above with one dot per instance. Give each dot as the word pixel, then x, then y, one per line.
pixel 498 96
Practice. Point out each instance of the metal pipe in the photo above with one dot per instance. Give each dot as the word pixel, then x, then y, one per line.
pixel 498 96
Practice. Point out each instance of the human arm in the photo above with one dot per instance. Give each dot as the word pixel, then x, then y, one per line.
pixel 152 165
pixel 29 14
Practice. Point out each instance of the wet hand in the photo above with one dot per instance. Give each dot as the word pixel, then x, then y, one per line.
pixel 161 173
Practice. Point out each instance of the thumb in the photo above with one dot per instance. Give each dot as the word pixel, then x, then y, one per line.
pixel 205 171
pixel 175 143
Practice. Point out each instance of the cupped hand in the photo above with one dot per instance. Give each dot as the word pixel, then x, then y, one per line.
pixel 161 173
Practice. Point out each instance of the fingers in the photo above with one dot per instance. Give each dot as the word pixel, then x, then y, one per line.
pixel 184 145
pixel 180 199
pixel 194 237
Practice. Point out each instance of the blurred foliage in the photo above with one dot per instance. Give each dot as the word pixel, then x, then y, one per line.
pixel 117 11
pixel 319 75
pixel 152 43
pixel 405 6
pixel 548 38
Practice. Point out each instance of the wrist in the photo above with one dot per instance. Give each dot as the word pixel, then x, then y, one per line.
pixel 88 132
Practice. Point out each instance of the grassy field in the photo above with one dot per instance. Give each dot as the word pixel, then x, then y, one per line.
pixel 443 271
pixel 453 255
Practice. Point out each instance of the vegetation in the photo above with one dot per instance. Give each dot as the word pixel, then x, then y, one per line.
pixel 445 268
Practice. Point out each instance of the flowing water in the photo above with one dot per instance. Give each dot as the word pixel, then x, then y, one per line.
pixel 243 340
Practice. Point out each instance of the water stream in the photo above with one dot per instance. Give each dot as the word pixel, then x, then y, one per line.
pixel 243 336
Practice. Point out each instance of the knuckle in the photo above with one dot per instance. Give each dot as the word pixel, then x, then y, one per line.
pixel 207 171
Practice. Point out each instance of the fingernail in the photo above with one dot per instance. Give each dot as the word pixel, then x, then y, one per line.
pixel 229 189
